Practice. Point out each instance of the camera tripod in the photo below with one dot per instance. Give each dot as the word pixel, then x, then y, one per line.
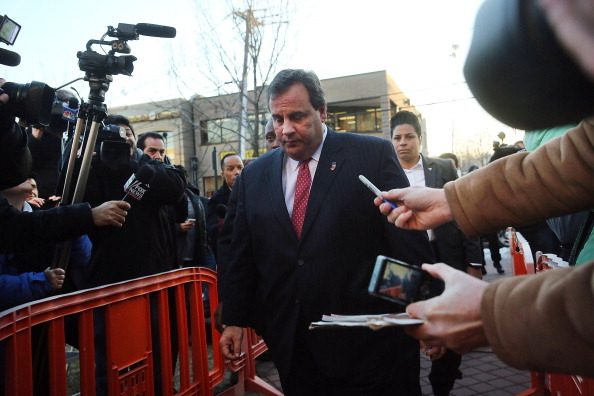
pixel 90 116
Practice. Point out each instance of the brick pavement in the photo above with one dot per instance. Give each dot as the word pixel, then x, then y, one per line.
pixel 484 373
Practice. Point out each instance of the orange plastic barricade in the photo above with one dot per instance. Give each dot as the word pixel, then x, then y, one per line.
pixel 544 383
pixel 518 245
pixel 563 384
pixel 522 260
pixel 570 385
pixel 133 316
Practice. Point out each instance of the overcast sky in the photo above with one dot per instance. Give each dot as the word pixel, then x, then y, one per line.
pixel 421 43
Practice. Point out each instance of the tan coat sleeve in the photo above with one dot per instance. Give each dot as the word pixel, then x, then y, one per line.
pixel 523 188
pixel 543 322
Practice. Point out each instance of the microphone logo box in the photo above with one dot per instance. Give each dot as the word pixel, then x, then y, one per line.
pixel 135 189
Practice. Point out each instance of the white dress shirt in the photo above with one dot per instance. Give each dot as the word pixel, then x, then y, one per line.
pixel 291 169
pixel 416 178
pixel 416 174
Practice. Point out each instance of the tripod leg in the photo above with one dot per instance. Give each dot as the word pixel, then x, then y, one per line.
pixel 80 126
pixel 81 184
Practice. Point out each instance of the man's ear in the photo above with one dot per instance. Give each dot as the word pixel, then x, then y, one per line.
pixel 323 113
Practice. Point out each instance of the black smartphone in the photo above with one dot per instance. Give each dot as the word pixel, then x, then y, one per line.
pixel 402 283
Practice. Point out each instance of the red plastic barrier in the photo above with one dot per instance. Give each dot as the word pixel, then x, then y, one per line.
pixel 134 314
pixel 545 383
pixel 521 254
pixel 563 384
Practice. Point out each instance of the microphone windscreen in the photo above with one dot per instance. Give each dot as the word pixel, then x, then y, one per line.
pixel 145 174
pixel 9 58
pixel 149 29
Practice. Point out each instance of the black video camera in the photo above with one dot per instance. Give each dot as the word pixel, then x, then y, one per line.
pixel 111 146
pixel 99 68
pixel 92 62
pixel 31 102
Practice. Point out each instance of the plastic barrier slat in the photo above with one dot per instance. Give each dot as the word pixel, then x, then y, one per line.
pixel 217 372
pixel 195 352
pixel 57 357
pixel 128 344
pixel 17 367
pixel 182 335
pixel 86 337
pixel 164 341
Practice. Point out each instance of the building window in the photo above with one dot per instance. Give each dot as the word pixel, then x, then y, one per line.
pixel 367 121
pixel 355 119
pixel 220 130
pixel 225 130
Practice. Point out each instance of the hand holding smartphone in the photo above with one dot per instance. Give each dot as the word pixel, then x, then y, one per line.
pixel 376 191
pixel 402 283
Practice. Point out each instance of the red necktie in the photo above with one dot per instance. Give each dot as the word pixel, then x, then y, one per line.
pixel 302 188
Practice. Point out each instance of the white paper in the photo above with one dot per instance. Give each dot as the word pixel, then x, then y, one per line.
pixel 372 321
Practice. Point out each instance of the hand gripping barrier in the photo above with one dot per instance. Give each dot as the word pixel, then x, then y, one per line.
pixel 543 383
pixel 129 321
pixel 248 381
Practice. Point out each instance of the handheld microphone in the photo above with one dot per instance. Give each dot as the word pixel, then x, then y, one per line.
pixel 10 58
pixel 149 29
pixel 138 184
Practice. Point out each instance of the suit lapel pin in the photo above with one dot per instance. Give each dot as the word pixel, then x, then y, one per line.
pixel 333 166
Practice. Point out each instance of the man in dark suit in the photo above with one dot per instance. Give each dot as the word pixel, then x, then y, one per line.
pixel 450 245
pixel 216 208
pixel 287 265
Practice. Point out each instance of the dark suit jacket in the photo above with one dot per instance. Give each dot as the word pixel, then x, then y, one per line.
pixel 279 284
pixel 214 207
pixel 451 245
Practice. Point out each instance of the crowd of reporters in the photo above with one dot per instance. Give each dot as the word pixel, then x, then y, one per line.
pixel 117 235
pixel 134 220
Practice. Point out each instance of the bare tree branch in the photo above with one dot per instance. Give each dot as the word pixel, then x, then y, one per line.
pixel 222 38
